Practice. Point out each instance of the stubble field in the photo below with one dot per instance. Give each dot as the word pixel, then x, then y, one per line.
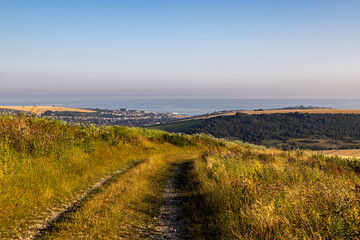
pixel 42 109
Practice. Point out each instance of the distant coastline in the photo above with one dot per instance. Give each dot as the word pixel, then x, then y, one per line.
pixel 183 106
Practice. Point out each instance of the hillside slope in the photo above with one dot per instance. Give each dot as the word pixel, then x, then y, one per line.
pixel 287 130
pixel 136 183
pixel 44 163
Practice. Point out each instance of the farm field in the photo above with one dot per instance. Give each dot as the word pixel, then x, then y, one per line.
pixel 343 152
pixel 321 111
pixel 42 109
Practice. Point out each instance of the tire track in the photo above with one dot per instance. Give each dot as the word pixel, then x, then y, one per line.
pixel 172 218
pixel 58 213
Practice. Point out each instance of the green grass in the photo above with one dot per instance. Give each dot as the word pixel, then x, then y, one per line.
pixel 44 162
pixel 234 191
pixel 177 127
pixel 250 193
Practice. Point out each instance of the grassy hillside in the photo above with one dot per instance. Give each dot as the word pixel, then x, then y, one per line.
pixel 177 127
pixel 228 190
pixel 45 162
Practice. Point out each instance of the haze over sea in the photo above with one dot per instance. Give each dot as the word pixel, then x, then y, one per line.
pixel 181 105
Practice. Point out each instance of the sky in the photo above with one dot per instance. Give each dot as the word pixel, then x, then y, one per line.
pixel 180 48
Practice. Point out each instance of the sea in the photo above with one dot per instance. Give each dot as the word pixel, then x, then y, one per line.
pixel 186 106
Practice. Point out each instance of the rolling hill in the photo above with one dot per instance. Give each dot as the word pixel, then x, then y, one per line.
pixel 288 130
pixel 61 181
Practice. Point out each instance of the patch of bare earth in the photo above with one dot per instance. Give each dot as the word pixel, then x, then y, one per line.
pixel 172 219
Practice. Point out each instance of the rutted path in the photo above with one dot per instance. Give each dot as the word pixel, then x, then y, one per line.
pixel 144 203
pixel 59 212
pixel 172 219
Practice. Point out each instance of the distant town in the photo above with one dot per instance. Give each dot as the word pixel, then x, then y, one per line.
pixel 122 116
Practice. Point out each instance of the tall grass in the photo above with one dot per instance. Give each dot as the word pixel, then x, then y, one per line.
pixel 44 162
pixel 254 193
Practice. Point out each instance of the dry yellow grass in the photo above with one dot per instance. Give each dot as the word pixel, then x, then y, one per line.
pixel 42 109
pixel 128 208
pixel 343 152
pixel 256 194
pixel 323 111
pixel 215 115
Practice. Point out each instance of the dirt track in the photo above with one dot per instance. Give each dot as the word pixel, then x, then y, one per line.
pixel 57 213
pixel 171 213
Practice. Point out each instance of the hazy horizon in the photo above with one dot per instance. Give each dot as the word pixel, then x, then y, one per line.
pixel 184 49
pixel 189 106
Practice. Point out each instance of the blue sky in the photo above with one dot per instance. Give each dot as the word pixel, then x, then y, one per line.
pixel 242 49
